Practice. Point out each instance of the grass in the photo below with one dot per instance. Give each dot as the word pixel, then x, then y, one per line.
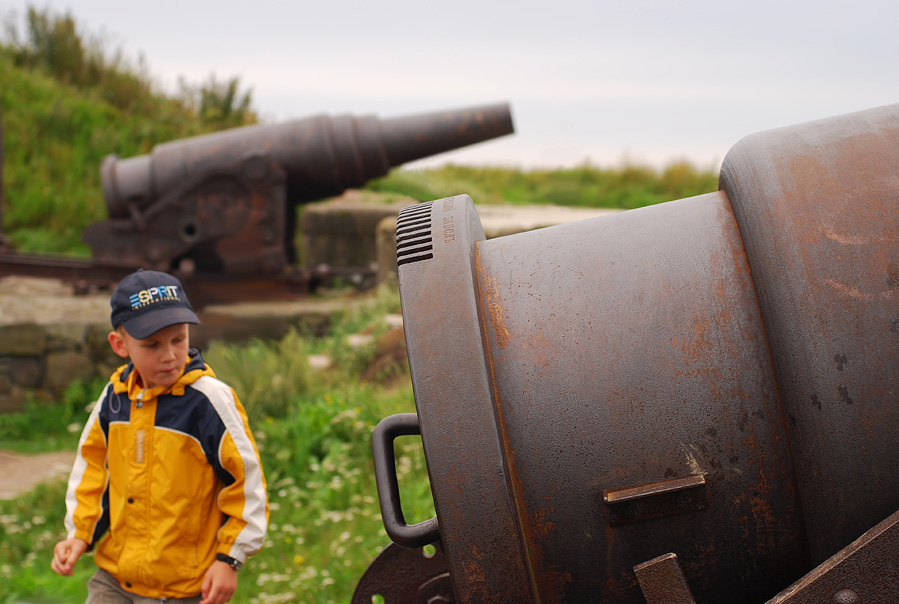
pixel 315 447
pixel 67 101
pixel 46 426
pixel 625 187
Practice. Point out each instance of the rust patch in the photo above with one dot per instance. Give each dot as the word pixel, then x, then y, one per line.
pixel 495 313
pixel 849 291
pixel 542 525
pixel 475 575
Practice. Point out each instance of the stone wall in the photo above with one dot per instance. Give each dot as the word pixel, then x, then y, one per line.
pixel 50 337
pixel 342 232
pixel 44 359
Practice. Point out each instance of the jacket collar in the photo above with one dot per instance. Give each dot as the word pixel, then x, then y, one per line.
pixel 125 378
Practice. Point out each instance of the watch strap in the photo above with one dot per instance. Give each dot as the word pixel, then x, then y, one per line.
pixel 232 562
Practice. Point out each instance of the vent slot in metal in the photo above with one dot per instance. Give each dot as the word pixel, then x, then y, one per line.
pixel 413 234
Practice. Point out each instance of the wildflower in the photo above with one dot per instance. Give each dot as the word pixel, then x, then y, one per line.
pixel 284 482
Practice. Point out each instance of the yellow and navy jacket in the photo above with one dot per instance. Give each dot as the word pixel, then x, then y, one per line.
pixel 165 479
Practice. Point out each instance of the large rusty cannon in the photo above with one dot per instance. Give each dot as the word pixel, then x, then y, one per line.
pixel 225 203
pixel 696 401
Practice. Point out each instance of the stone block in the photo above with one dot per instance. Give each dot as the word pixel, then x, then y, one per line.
pixel 98 344
pixel 66 336
pixel 23 372
pixel 22 340
pixel 385 239
pixel 12 402
pixel 62 368
pixel 342 233
pixel 103 369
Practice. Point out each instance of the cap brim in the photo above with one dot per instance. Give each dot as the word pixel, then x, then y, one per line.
pixel 148 324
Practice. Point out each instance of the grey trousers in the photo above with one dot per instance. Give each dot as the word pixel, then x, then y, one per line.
pixel 104 589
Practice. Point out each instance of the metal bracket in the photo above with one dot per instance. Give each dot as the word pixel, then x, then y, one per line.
pixel 663 582
pixel 656 500
pixel 864 572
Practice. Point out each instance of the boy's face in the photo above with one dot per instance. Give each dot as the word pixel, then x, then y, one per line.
pixel 159 358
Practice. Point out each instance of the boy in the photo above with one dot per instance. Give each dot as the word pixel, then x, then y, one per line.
pixel 166 464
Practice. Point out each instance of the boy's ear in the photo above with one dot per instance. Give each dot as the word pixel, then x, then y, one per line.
pixel 118 344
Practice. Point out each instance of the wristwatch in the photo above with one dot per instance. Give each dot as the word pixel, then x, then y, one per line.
pixel 235 564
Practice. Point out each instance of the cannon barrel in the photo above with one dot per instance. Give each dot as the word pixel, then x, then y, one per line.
pixel 695 399
pixel 321 155
pixel 226 201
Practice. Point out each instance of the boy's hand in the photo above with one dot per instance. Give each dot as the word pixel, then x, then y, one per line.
pixel 66 554
pixel 219 583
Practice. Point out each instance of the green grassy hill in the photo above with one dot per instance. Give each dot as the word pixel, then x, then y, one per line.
pixel 66 103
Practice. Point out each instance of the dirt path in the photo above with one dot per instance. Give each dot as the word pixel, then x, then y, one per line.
pixel 19 473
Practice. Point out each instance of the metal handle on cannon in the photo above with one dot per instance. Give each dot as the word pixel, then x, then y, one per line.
pixel 414 535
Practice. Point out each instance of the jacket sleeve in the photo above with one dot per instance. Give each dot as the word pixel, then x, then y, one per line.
pixel 243 500
pixel 87 507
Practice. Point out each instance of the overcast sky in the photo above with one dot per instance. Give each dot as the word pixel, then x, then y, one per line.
pixel 602 81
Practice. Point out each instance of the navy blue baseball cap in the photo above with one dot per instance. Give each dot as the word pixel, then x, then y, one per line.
pixel 147 301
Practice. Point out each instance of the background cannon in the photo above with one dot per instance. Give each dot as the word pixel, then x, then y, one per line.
pixel 693 400
pixel 226 202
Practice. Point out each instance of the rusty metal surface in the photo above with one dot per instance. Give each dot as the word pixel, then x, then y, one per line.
pixel 715 377
pixel 407 576
pixel 677 383
pixel 636 340
pixel 226 202
pixel 864 572
pixel 454 399
pixel 662 581
pixel 231 220
pixel 818 208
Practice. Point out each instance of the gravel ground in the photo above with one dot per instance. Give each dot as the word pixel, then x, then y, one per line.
pixel 20 473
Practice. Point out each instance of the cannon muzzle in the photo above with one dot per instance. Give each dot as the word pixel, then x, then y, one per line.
pixel 694 399
pixel 226 201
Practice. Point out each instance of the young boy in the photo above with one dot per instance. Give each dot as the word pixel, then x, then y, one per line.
pixel 167 467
